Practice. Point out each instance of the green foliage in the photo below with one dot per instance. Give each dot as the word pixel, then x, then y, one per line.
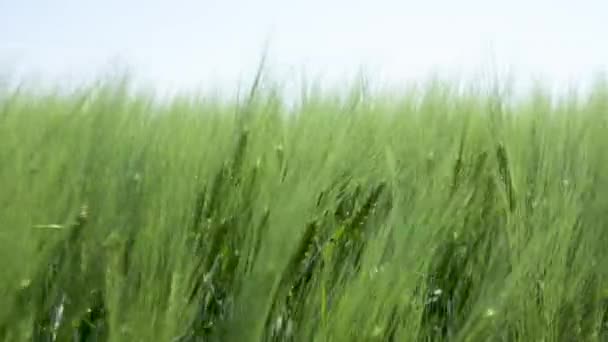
pixel 430 217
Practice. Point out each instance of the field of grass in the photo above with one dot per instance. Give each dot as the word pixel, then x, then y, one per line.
pixel 429 216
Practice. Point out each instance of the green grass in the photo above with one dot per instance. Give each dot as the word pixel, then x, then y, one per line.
pixel 429 216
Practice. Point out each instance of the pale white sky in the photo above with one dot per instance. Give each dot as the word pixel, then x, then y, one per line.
pixel 185 43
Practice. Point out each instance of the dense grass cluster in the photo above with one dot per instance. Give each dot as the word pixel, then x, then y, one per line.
pixel 431 216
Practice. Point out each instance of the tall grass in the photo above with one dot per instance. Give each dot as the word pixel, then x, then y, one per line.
pixel 437 216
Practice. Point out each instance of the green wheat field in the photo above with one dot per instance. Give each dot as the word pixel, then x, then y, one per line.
pixel 433 214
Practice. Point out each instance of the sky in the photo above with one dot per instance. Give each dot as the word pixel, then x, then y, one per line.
pixel 188 44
